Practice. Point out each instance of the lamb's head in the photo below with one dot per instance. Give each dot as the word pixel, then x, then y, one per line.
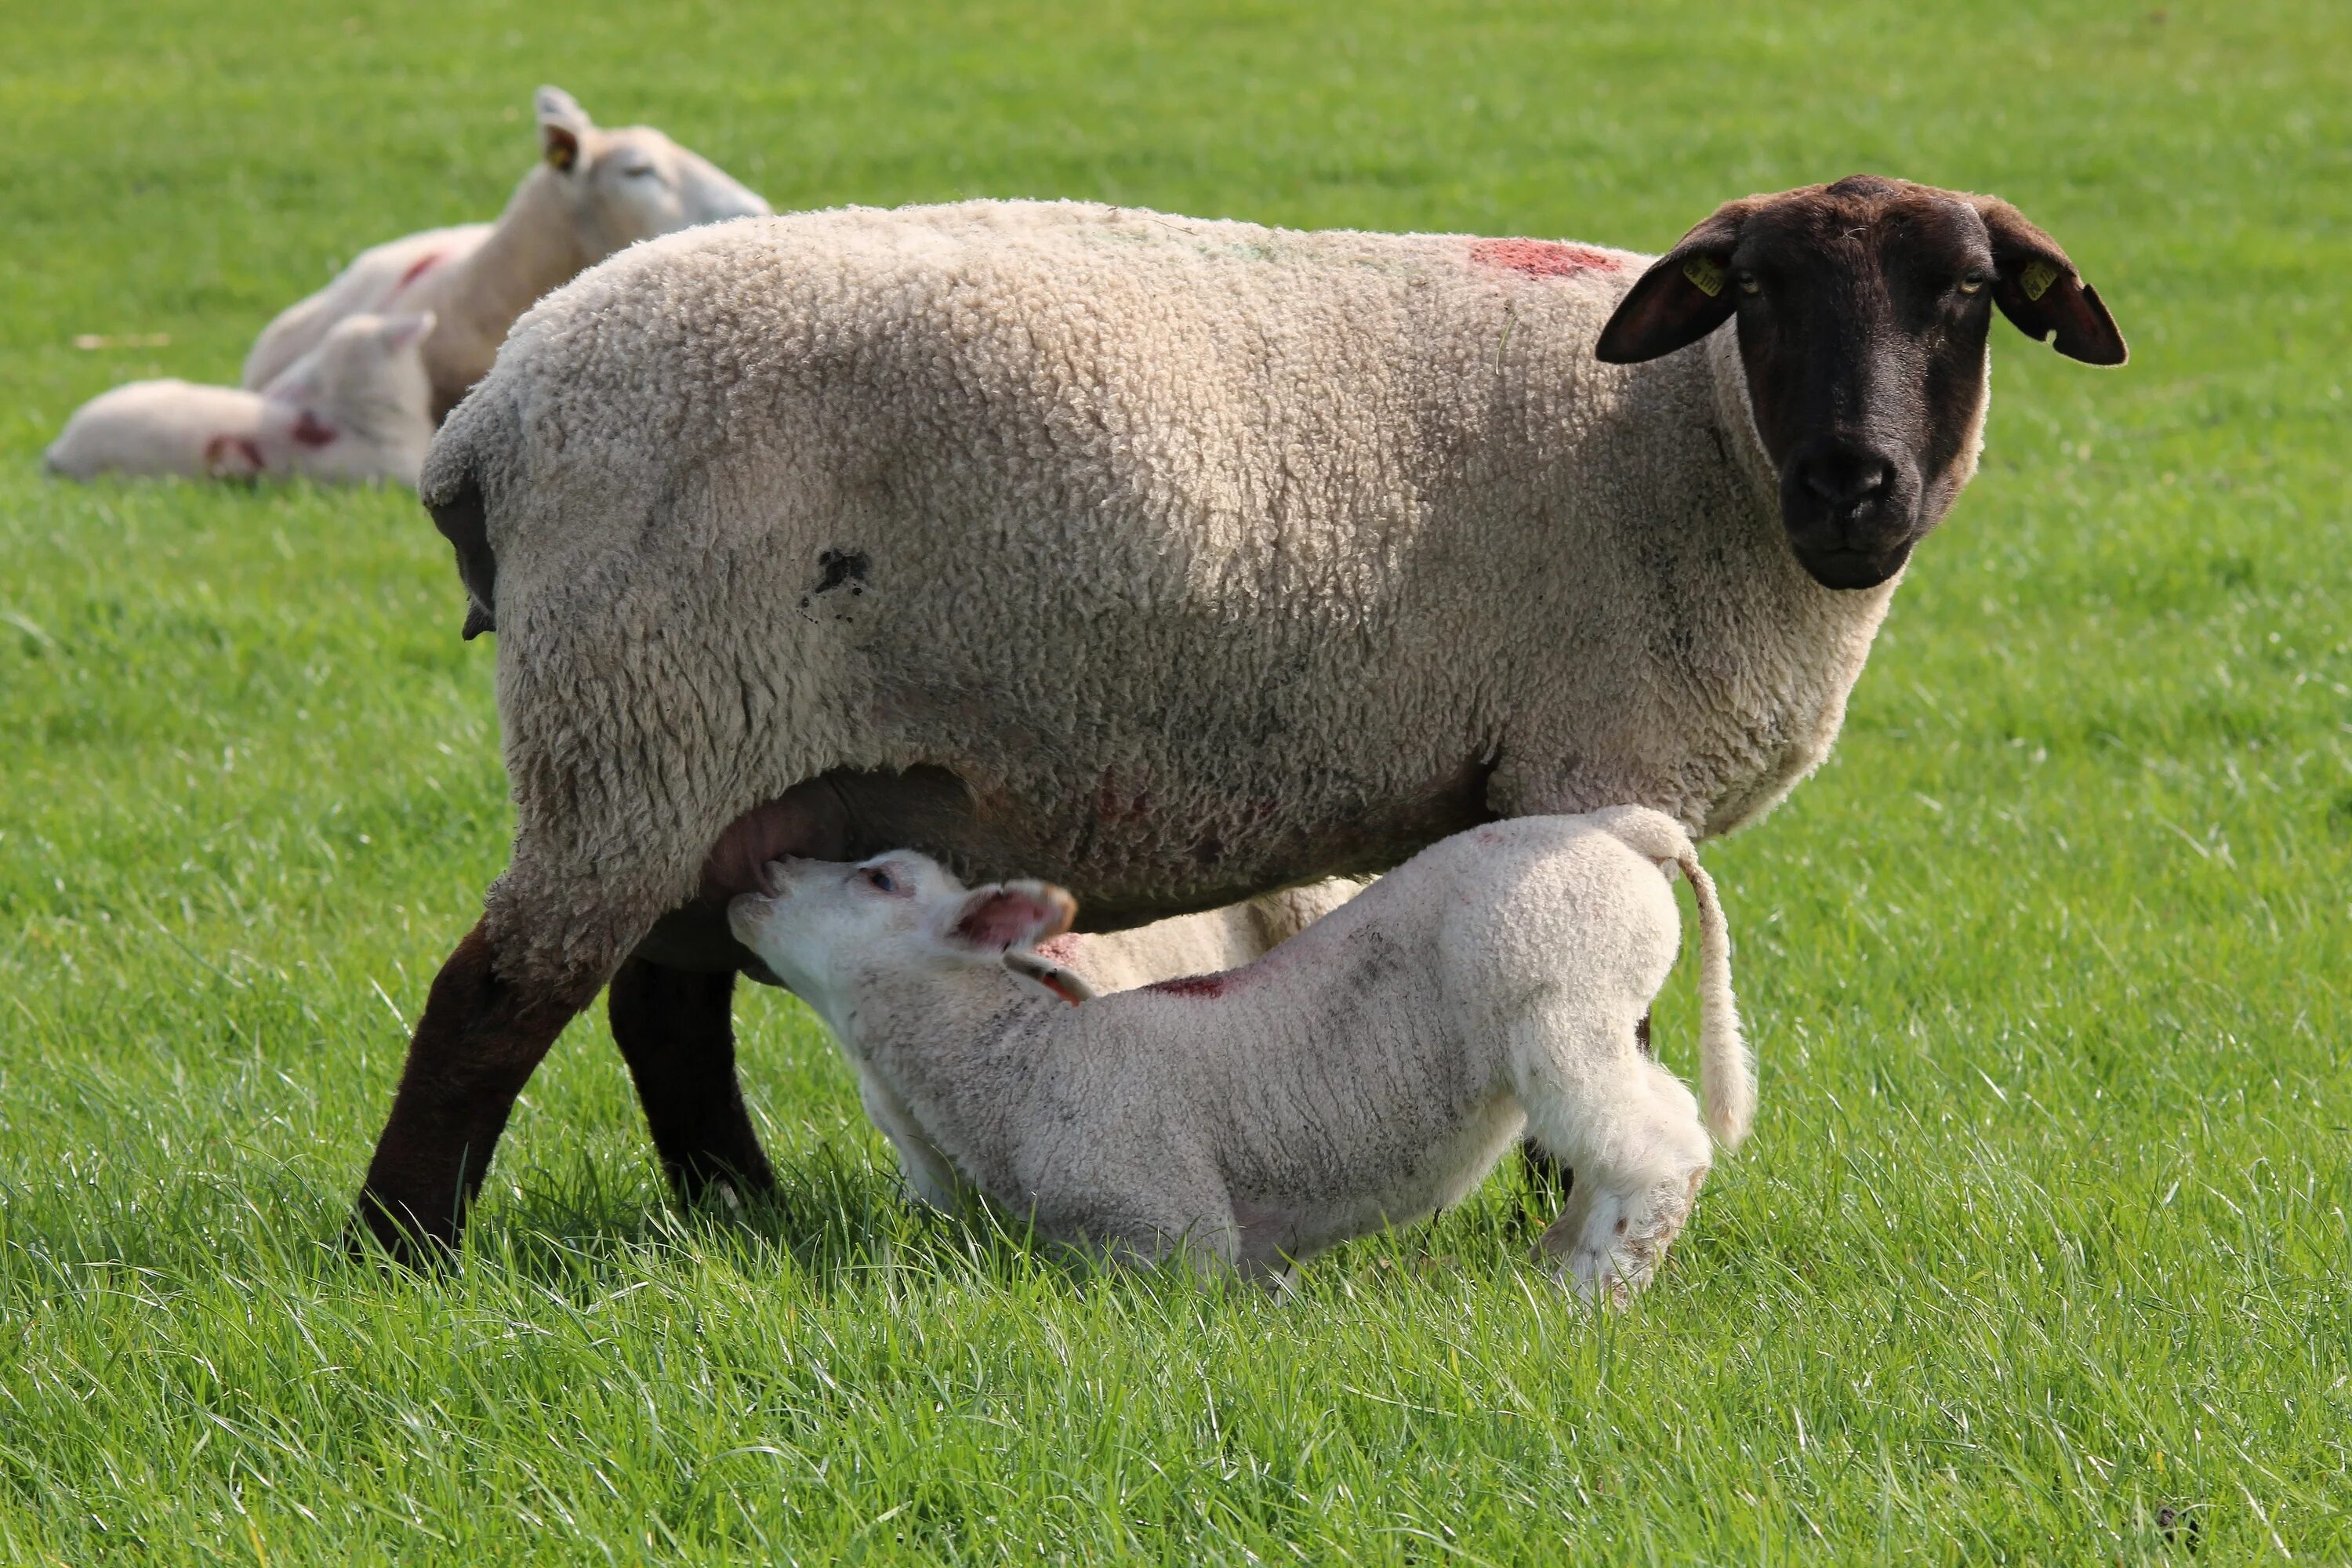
pixel 1863 309
pixel 834 931
pixel 358 406
pixel 632 183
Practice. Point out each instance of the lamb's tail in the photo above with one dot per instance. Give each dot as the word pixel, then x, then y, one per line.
pixel 1726 1072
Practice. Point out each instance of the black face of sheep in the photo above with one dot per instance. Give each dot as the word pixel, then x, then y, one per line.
pixel 1863 309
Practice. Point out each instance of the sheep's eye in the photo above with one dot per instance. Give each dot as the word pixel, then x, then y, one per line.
pixel 1973 283
pixel 1748 284
pixel 639 171
pixel 880 881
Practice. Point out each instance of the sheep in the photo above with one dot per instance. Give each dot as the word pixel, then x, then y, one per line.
pixel 1369 1072
pixel 352 409
pixel 593 193
pixel 1170 561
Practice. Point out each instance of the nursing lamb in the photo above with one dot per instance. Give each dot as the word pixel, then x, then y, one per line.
pixel 1368 1073
pixel 1172 561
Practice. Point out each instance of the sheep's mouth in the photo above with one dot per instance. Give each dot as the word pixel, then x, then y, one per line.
pixel 1848 570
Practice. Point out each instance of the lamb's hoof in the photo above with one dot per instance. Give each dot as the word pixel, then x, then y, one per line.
pixel 1607 1246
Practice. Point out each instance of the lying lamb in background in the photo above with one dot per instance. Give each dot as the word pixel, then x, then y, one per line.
pixel 1368 1072
pixel 593 193
pixel 355 408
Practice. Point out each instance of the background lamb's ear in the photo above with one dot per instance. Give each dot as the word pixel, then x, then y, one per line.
pixel 562 126
pixel 398 331
pixel 1012 914
pixel 2042 294
pixel 1685 295
pixel 1069 986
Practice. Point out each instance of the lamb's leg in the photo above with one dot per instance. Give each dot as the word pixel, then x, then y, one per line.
pixel 1630 1130
pixel 1549 1178
pixel 481 1035
pixel 676 1031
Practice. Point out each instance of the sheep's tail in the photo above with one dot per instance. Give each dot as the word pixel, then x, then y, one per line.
pixel 1726 1071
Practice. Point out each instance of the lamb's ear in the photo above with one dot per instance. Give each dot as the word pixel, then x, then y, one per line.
pixel 2042 294
pixel 1685 295
pixel 563 125
pixel 398 331
pixel 1010 914
pixel 1067 984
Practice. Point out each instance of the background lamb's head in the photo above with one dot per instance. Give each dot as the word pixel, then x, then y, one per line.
pixel 356 407
pixel 630 184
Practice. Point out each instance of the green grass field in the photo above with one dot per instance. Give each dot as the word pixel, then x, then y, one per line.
pixel 2042 1244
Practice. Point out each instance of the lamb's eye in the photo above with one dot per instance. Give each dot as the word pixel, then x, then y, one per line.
pixel 639 171
pixel 881 881
pixel 1974 283
pixel 1749 283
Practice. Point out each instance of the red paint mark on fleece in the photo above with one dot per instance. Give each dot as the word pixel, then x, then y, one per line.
pixel 1194 986
pixel 1062 950
pixel 1542 258
pixel 418 269
pixel 312 432
pixel 218 448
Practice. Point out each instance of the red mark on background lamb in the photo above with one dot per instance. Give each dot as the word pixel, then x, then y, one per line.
pixel 1194 986
pixel 1542 258
pixel 417 268
pixel 310 431
pixel 1062 950
pixel 217 450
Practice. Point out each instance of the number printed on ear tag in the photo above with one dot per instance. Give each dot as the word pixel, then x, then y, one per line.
pixel 1704 276
pixel 2036 279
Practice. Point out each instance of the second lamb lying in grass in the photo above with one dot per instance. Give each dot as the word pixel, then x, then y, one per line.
pixel 1368 1072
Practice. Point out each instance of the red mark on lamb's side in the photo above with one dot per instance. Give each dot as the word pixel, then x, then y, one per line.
pixel 1062 950
pixel 1194 986
pixel 1542 258
pixel 310 431
pixel 417 268
pixel 217 450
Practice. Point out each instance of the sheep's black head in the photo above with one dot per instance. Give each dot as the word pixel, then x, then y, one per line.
pixel 1863 309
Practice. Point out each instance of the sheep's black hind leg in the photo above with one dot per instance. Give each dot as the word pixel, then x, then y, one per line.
pixel 1549 1182
pixel 676 1032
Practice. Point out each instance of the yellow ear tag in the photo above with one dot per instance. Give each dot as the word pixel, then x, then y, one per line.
pixel 2036 279
pixel 1704 276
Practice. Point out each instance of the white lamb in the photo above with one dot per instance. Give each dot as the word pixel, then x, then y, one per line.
pixel 593 192
pixel 352 409
pixel 1367 1073
pixel 1201 943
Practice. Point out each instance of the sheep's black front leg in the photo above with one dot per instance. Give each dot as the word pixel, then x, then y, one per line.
pixel 676 1031
pixel 481 1035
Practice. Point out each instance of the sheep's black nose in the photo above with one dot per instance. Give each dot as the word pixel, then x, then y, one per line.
pixel 1847 480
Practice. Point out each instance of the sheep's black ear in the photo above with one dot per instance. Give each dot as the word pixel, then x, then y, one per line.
pixel 1685 295
pixel 464 522
pixel 562 126
pixel 1065 983
pixel 2042 294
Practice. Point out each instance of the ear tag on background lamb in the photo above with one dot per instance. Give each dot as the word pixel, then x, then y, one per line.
pixel 1705 275
pixel 2037 278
